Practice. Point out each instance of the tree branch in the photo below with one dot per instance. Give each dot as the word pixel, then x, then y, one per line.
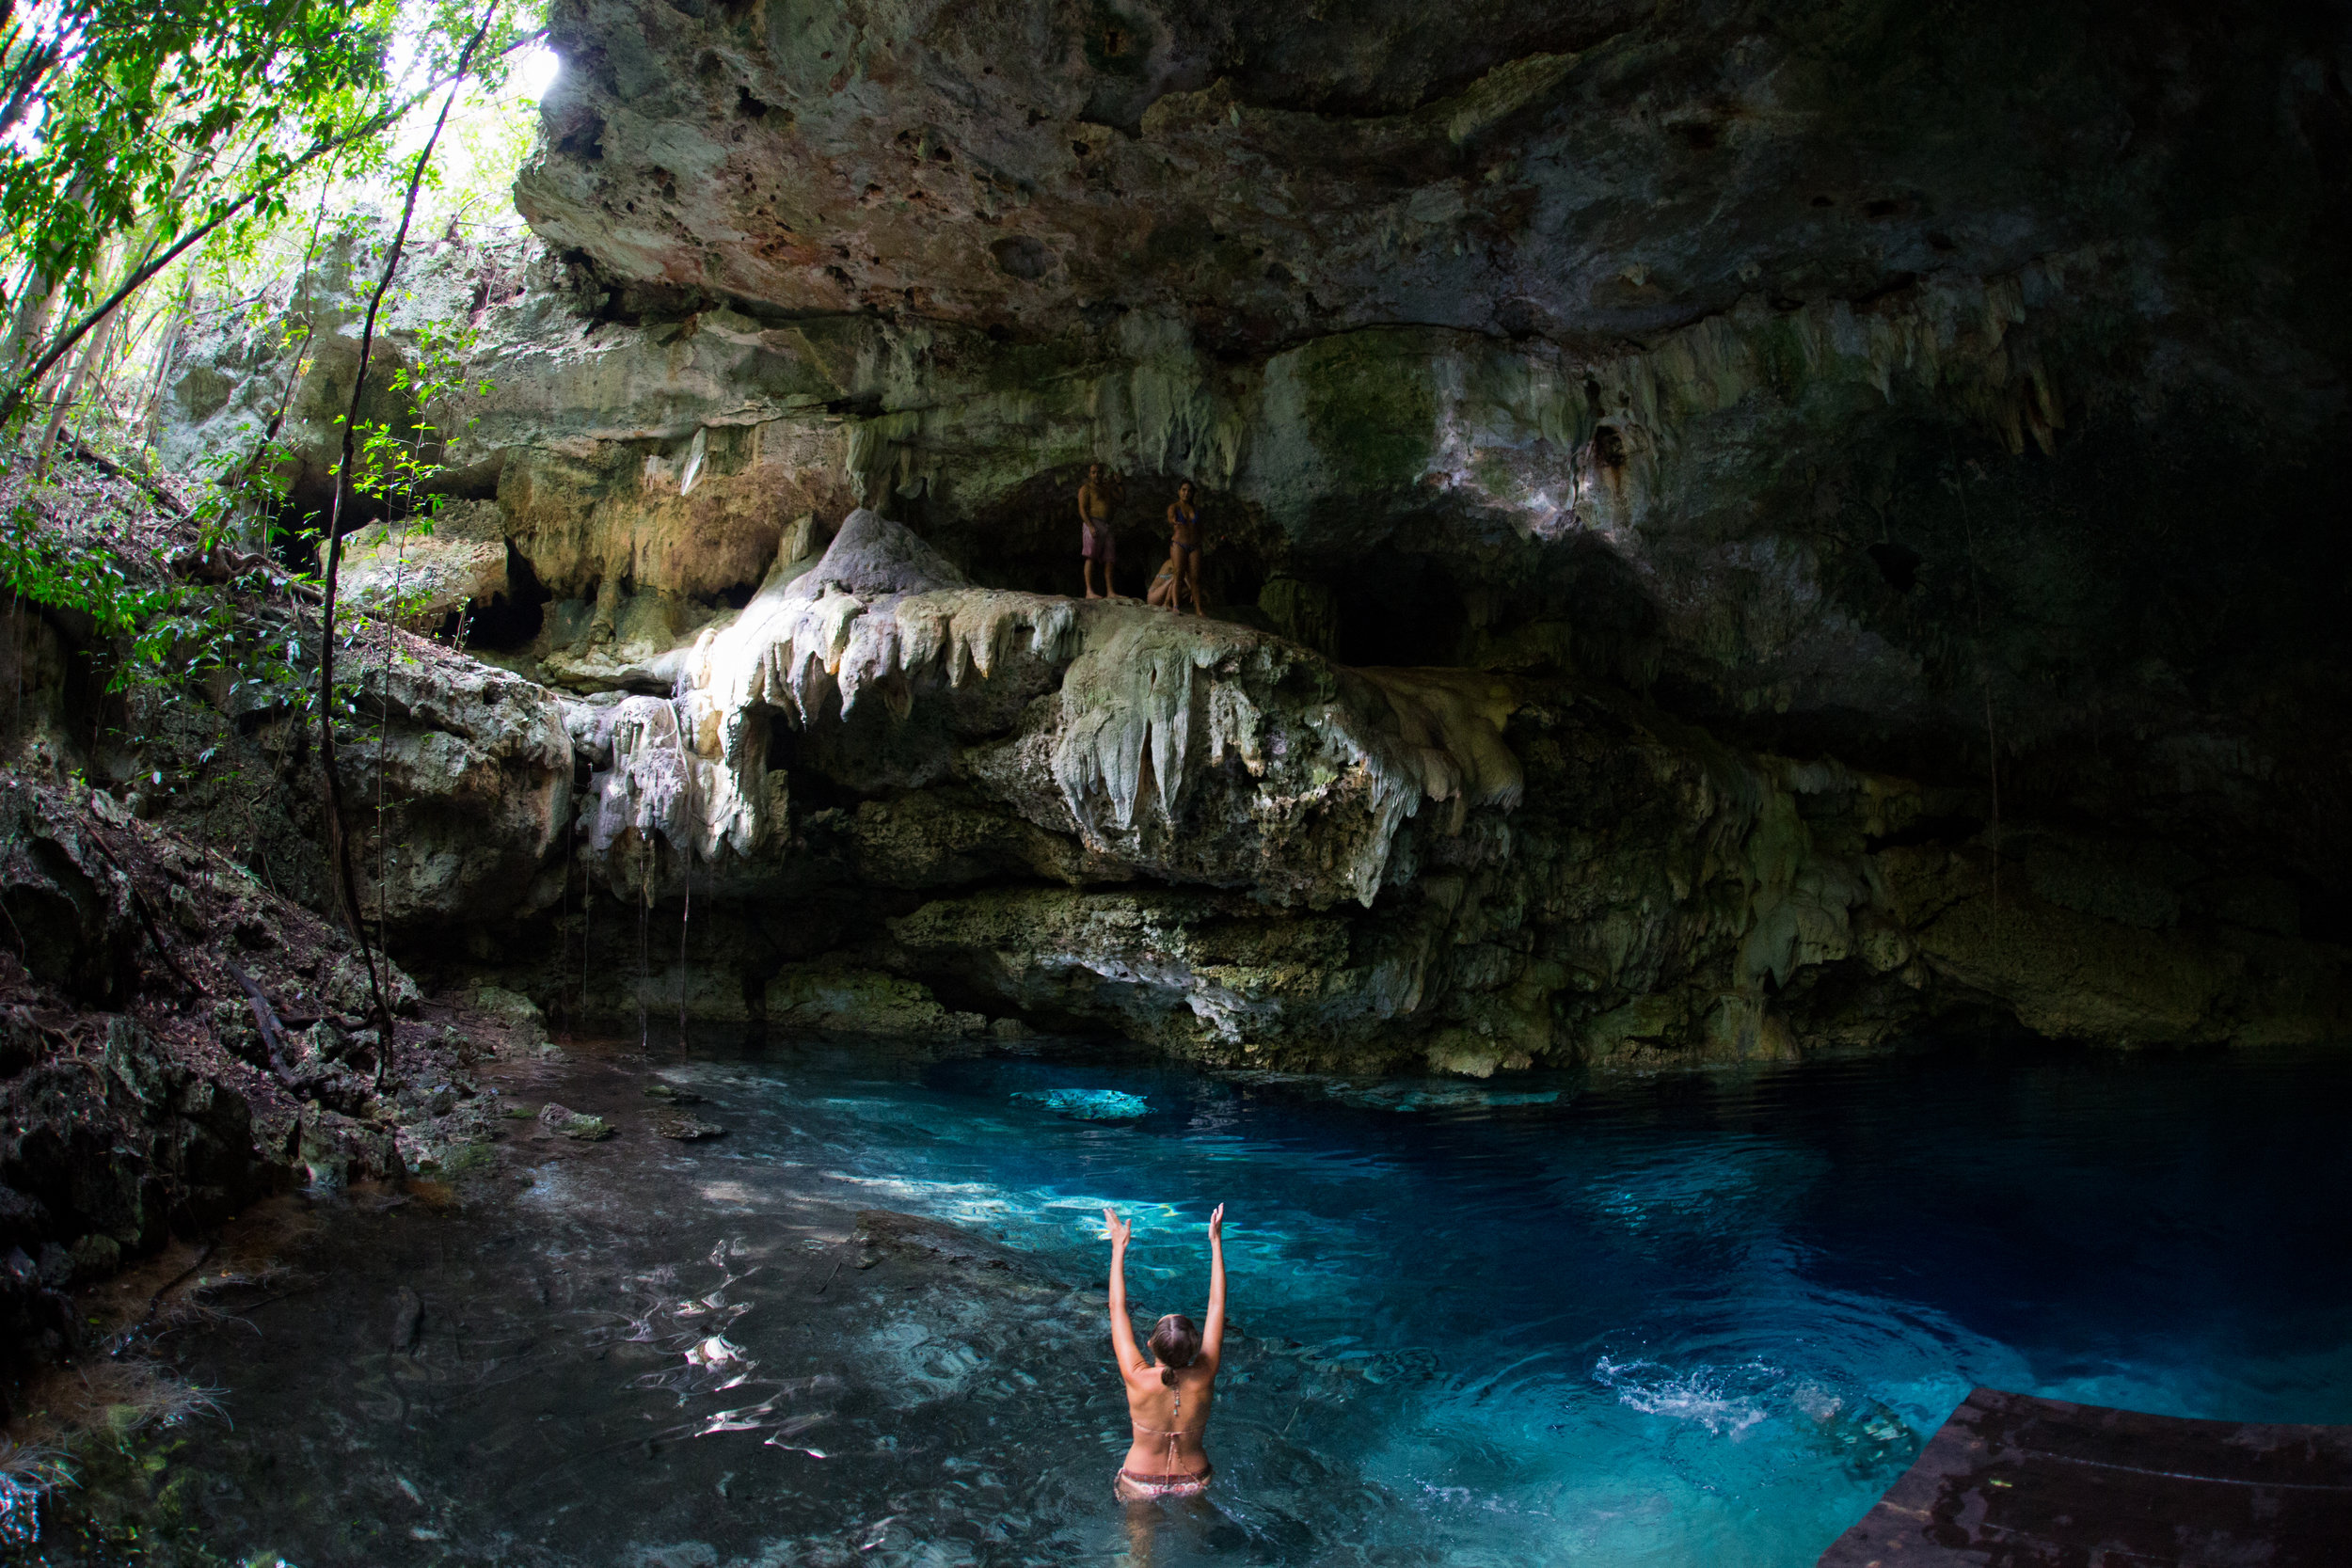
pixel 338 843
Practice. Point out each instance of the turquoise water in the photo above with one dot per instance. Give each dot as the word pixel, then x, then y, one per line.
pixel 1696 1319
pixel 1691 1319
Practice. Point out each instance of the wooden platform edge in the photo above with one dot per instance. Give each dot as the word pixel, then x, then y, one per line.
pixel 2026 1482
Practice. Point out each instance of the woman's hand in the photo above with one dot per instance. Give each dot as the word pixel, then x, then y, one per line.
pixel 1216 1225
pixel 1120 1229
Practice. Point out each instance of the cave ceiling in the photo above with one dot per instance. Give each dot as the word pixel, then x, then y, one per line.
pixel 1729 528
pixel 1576 172
pixel 1881 377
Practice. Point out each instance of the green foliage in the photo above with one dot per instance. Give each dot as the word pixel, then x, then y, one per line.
pixel 395 463
pixel 164 634
pixel 128 134
pixel 127 97
pixel 56 570
pixel 165 645
pixel 129 113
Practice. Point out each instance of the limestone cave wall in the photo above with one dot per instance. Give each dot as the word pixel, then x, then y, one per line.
pixel 1735 531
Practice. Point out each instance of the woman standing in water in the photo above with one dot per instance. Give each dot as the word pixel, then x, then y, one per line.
pixel 1168 1398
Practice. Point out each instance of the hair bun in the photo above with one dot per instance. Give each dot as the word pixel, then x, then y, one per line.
pixel 1177 1343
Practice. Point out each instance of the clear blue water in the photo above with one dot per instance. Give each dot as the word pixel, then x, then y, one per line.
pixel 1683 1320
pixel 1691 1319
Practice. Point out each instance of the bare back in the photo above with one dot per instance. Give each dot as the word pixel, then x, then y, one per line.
pixel 1170 1423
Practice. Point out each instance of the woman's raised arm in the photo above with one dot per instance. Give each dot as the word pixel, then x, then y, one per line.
pixel 1123 1328
pixel 1213 1331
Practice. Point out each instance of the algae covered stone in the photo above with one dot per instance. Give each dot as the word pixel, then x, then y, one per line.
pixel 685 1126
pixel 572 1124
pixel 837 998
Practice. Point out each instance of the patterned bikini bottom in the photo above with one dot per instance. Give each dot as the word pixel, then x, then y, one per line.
pixel 1134 1488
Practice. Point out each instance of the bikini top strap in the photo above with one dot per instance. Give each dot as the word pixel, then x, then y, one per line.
pixel 1174 1436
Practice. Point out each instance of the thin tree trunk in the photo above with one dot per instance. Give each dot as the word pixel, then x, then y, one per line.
pixel 24 82
pixel 93 352
pixel 338 842
pixel 35 302
pixel 93 357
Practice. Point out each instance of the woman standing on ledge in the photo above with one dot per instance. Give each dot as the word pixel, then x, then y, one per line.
pixel 1183 526
pixel 1168 1399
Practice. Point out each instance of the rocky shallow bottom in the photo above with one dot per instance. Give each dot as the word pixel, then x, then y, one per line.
pixel 1546 1317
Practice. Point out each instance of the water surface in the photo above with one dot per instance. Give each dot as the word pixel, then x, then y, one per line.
pixel 1689 1318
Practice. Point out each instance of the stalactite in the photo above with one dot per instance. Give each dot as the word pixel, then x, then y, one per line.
pixel 883 616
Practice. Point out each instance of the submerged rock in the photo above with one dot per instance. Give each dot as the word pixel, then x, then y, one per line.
pixel 573 1124
pixel 1089 1104
pixel 886 1231
pixel 685 1126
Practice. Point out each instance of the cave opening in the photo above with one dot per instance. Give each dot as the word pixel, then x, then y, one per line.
pixel 1898 564
pixel 1029 540
pixel 808 763
pixel 1609 453
pixel 512 619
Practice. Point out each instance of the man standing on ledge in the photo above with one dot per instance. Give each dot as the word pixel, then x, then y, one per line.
pixel 1095 541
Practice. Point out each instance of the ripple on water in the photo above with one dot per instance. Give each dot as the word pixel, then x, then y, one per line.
pixel 1088 1104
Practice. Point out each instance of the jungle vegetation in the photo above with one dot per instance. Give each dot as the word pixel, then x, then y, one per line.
pixel 161 164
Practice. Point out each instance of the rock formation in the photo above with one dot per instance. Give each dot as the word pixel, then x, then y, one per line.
pixel 176 1041
pixel 1736 533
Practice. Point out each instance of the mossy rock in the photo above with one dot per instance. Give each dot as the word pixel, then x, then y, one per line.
pixel 838 999
pixel 1371 404
pixel 572 1124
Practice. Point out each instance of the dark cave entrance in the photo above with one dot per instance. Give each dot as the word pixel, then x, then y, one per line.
pixel 1402 609
pixel 510 620
pixel 1029 541
pixel 1897 563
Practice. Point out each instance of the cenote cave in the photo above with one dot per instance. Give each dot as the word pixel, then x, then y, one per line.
pixel 693 691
